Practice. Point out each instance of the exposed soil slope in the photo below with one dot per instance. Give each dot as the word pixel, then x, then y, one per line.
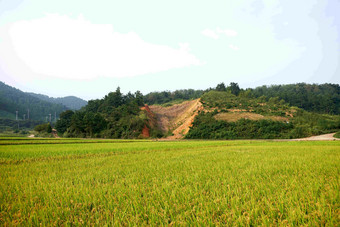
pixel 234 116
pixel 177 118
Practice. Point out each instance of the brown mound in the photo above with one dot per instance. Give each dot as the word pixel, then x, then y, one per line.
pixel 177 118
pixel 234 116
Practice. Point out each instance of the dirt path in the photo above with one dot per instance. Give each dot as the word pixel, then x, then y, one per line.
pixel 177 118
pixel 329 136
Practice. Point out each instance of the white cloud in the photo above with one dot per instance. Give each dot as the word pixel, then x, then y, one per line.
pixel 231 46
pixel 62 47
pixel 215 34
pixel 227 32
pixel 210 33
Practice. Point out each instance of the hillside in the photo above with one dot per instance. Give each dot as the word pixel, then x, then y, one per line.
pixel 224 112
pixel 227 116
pixel 71 102
pixel 176 119
pixel 115 116
pixel 159 98
pixel 28 106
pixel 319 98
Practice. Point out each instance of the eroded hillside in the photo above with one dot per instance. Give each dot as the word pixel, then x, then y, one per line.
pixel 176 119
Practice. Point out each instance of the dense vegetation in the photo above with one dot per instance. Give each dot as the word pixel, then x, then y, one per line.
pixel 120 116
pixel 194 183
pixel 323 98
pixel 18 125
pixel 167 96
pixel 290 122
pixel 114 116
pixel 225 100
pixel 206 126
pixel 337 135
pixel 12 100
pixel 71 102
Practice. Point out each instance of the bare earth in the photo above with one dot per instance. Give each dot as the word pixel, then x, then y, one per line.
pixel 177 118
pixel 329 136
pixel 235 116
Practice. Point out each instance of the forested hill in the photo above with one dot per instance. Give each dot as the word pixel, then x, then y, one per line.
pixel 168 96
pixel 71 102
pixel 319 98
pixel 323 98
pixel 115 116
pixel 12 100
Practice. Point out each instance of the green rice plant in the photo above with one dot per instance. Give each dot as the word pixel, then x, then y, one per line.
pixel 243 183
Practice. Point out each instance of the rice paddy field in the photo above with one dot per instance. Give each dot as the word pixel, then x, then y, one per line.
pixel 136 182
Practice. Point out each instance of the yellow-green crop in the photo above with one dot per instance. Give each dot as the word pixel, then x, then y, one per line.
pixel 165 183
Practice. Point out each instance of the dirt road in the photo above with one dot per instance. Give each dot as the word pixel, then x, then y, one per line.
pixel 329 136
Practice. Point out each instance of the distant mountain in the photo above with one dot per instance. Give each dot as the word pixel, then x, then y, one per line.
pixel 71 102
pixel 28 106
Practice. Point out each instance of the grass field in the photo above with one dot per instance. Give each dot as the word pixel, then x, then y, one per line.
pixel 117 182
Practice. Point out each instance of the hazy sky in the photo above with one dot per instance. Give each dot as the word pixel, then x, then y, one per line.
pixel 88 48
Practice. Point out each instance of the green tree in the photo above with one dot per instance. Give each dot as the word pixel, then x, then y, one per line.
pixel 221 87
pixel 65 121
pixel 234 88
pixel 139 98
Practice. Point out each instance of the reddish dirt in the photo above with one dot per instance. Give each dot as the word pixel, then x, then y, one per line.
pixel 147 109
pixel 146 132
pixel 152 121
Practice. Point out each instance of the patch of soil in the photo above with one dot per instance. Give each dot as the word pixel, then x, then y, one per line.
pixel 152 121
pixel 237 110
pixel 235 116
pixel 146 132
pixel 54 133
pixel 177 118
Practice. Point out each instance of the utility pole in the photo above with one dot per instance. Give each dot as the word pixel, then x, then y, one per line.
pixel 50 117
pixel 16 115
pixel 55 116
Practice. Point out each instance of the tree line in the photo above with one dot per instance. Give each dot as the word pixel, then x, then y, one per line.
pixel 114 116
pixel 319 98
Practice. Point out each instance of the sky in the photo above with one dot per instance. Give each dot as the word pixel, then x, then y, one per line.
pixel 89 48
